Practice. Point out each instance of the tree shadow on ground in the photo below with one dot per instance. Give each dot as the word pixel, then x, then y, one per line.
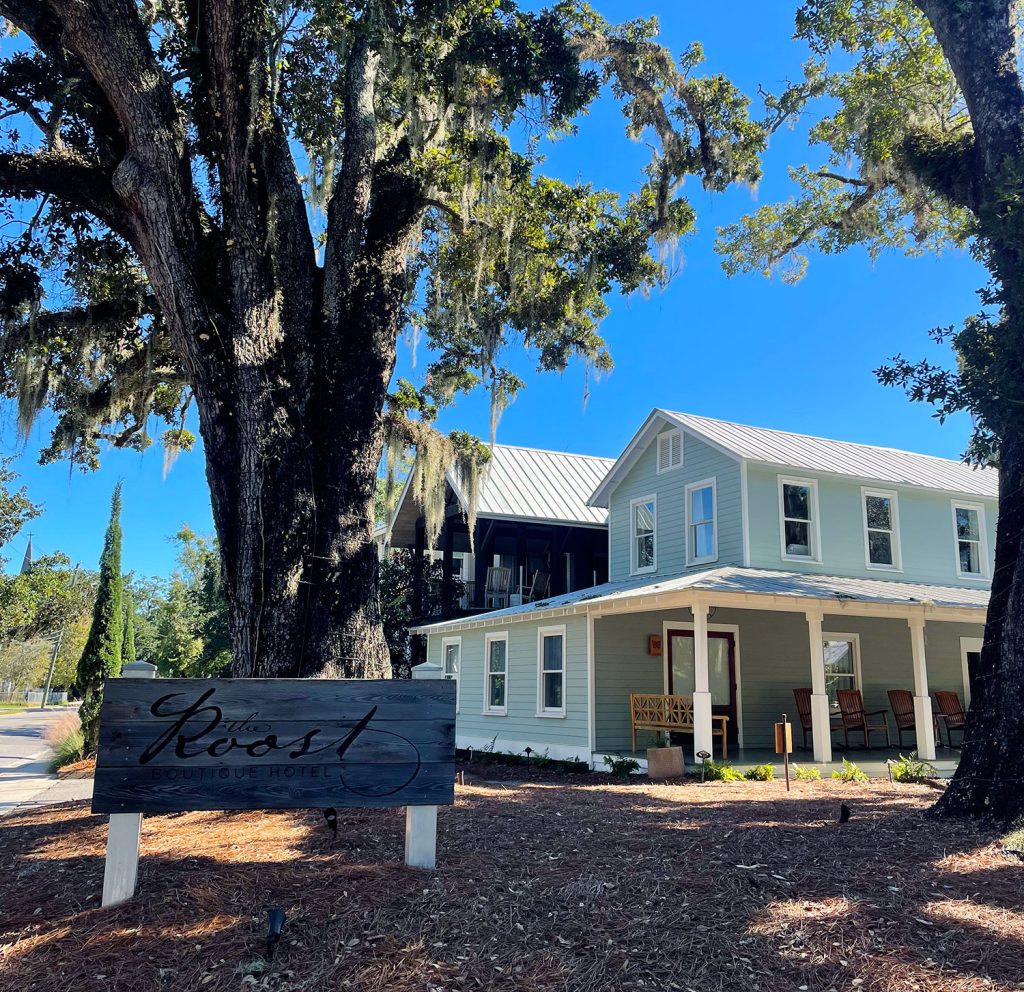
pixel 541 887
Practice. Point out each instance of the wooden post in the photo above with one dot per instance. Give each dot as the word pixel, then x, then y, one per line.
pixel 421 821
pixel 924 720
pixel 702 723
pixel 122 864
pixel 821 718
pixel 784 743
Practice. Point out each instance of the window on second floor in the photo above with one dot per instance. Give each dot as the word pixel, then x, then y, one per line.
pixel 798 499
pixel 670 450
pixel 644 551
pixel 881 529
pixel 969 521
pixel 702 527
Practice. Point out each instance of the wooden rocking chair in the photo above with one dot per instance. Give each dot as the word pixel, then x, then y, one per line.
pixel 856 718
pixel 539 588
pixel 496 588
pixel 902 703
pixel 952 713
pixel 803 709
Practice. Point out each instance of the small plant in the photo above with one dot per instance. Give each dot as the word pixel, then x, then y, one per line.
pixel 760 773
pixel 67 742
pixel 621 767
pixel 721 771
pixel 1014 840
pixel 812 774
pixel 849 772
pixel 911 768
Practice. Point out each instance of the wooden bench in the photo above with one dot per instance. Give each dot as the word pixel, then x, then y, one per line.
pixel 673 714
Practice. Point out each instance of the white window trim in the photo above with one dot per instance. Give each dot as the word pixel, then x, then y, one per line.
pixel 657 451
pixel 489 710
pixel 897 548
pixel 815 530
pixel 831 635
pixel 447 642
pixel 711 483
pixel 543 632
pixel 979 508
pixel 633 504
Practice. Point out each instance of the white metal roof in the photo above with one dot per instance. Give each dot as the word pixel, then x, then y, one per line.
pixel 840 590
pixel 531 484
pixel 862 461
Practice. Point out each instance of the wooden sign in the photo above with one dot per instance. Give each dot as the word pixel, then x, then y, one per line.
pixel 784 737
pixel 654 645
pixel 170 745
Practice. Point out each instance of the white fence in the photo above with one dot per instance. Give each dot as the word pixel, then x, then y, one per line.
pixel 32 697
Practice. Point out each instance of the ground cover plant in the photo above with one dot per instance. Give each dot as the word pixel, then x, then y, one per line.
pixel 575 887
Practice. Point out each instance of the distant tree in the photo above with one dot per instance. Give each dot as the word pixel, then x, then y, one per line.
pixel 23 663
pixel 72 644
pixel 102 656
pixel 398 602
pixel 922 132
pixel 36 603
pixel 16 509
pixel 172 261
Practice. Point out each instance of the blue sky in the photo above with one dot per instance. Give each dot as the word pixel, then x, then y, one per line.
pixel 746 349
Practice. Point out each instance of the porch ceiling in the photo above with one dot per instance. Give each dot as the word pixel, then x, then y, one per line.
pixel 750 588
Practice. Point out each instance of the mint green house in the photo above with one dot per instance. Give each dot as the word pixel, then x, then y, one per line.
pixel 744 564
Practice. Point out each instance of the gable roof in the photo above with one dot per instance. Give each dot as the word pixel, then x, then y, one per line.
pixel 526 484
pixel 803 452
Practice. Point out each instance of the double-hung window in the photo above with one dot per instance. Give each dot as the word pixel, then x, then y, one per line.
pixel 881 529
pixel 496 674
pixel 644 551
pixel 702 526
pixel 798 500
pixel 451 662
pixel 551 671
pixel 971 553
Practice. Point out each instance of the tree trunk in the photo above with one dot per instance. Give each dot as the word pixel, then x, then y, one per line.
pixel 988 782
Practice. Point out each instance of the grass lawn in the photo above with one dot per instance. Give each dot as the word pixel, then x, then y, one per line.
pixel 573 886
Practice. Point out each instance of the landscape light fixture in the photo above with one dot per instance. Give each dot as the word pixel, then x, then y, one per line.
pixel 275 924
pixel 331 816
pixel 703 755
pixel 528 751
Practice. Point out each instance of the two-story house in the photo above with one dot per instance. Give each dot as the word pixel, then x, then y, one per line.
pixel 745 564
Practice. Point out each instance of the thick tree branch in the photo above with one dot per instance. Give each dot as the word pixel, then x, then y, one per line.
pixel 66 178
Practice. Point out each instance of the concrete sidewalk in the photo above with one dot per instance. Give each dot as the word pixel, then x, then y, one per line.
pixel 24 755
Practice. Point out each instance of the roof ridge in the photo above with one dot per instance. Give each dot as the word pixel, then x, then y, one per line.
pixel 827 440
pixel 551 451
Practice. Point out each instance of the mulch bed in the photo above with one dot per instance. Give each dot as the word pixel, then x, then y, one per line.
pixel 572 886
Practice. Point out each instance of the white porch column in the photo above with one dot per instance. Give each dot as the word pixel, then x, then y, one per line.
pixel 924 722
pixel 821 729
pixel 702 739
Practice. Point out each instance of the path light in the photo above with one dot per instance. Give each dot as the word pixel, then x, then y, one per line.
pixel 275 924
pixel 703 755
pixel 888 767
pixel 528 751
pixel 331 816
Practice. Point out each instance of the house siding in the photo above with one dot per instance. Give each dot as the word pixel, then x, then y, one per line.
pixel 927 539
pixel 562 737
pixel 700 461
pixel 773 660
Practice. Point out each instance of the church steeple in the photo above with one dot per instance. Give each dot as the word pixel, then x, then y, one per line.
pixel 26 562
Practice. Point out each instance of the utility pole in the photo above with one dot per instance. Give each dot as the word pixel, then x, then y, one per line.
pixel 56 647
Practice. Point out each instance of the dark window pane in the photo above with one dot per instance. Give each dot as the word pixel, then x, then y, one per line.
pixel 553 653
pixel 967 524
pixel 645 551
pixel 497 690
pixel 796 501
pixel 970 559
pixel 879 547
pixel 879 512
pixel 553 691
pixel 497 656
pixel 798 541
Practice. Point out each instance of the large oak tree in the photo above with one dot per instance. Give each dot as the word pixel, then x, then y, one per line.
pixel 242 204
pixel 923 132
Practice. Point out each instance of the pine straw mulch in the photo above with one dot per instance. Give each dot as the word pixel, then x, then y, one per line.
pixel 571 887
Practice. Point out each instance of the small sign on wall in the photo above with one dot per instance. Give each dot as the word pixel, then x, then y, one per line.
pixel 654 645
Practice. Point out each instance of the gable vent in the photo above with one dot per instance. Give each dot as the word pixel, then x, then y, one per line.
pixel 670 450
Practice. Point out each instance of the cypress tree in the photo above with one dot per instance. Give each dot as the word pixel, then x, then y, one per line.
pixel 101 658
pixel 128 638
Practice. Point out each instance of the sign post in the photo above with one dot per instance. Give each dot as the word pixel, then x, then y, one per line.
pixel 125 830
pixel 174 745
pixel 784 744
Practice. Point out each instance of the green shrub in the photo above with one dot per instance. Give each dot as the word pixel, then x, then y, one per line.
pixel 911 768
pixel 487 755
pixel 1014 840
pixel 721 771
pixel 760 773
pixel 812 774
pixel 849 772
pixel 621 767
pixel 66 741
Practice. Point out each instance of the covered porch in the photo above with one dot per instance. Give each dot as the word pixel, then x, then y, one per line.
pixel 747 649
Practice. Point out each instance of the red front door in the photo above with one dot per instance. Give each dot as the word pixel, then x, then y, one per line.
pixel 721 672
